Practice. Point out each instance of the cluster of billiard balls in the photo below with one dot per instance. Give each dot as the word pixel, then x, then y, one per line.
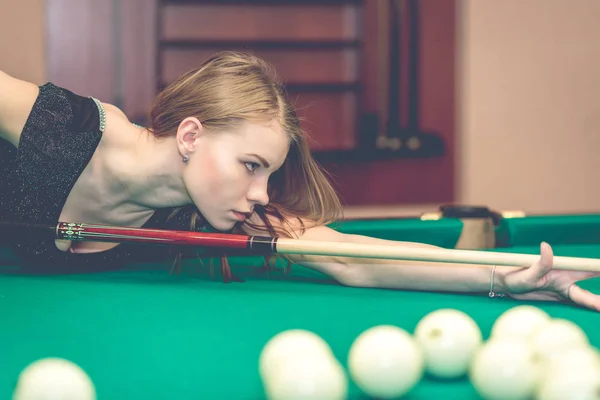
pixel 528 355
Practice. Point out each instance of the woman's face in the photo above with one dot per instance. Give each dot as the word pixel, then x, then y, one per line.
pixel 227 172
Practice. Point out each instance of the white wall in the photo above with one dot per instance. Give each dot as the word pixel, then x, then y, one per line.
pixel 22 44
pixel 529 78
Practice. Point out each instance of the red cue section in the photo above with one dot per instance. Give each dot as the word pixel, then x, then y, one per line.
pixel 91 232
pixel 104 233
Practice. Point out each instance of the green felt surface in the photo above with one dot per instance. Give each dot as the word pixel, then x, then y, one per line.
pixel 142 333
pixel 443 232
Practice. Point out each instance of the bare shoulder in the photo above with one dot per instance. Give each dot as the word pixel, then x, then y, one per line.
pixel 115 111
pixel 17 98
pixel 117 126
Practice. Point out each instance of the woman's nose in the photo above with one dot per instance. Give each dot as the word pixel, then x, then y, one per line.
pixel 258 193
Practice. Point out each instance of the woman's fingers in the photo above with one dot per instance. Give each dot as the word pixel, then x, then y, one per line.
pixel 534 277
pixel 584 298
pixel 538 270
pixel 541 282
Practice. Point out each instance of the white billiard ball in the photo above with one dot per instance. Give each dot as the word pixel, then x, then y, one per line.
pixel 505 368
pixel 519 321
pixel 307 377
pixel 556 336
pixel 448 339
pixel 568 381
pixel 574 358
pixel 289 344
pixel 385 362
pixel 54 378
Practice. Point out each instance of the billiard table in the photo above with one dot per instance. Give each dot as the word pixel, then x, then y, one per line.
pixel 145 333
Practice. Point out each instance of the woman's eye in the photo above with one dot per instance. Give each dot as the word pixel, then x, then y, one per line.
pixel 251 166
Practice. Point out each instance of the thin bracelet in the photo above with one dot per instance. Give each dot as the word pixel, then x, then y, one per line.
pixel 492 294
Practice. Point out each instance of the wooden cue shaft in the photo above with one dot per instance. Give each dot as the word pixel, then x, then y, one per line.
pixel 295 246
pixel 92 232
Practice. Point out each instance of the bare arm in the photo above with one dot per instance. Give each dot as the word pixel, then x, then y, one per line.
pixel 16 101
pixel 394 274
pixel 536 282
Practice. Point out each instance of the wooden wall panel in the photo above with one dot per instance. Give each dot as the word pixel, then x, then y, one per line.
pixel 410 181
pixel 294 66
pixel 259 22
pixel 328 118
pixel 138 57
pixel 314 48
pixel 80 46
pixel 104 49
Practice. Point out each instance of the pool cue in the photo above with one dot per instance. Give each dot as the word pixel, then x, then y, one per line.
pixel 414 67
pixel 383 50
pixel 279 245
pixel 394 109
pixel 397 134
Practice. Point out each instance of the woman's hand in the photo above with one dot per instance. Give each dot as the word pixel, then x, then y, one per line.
pixel 541 282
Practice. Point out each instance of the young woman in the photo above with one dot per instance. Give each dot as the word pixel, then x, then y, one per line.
pixel 223 151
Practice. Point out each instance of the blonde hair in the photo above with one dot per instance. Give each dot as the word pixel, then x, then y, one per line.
pixel 229 89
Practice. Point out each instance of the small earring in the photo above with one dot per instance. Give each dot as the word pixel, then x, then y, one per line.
pixel 186 158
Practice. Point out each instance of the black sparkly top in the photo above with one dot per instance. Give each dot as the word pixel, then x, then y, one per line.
pixel 57 142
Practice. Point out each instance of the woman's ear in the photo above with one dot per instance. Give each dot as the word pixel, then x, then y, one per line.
pixel 189 130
